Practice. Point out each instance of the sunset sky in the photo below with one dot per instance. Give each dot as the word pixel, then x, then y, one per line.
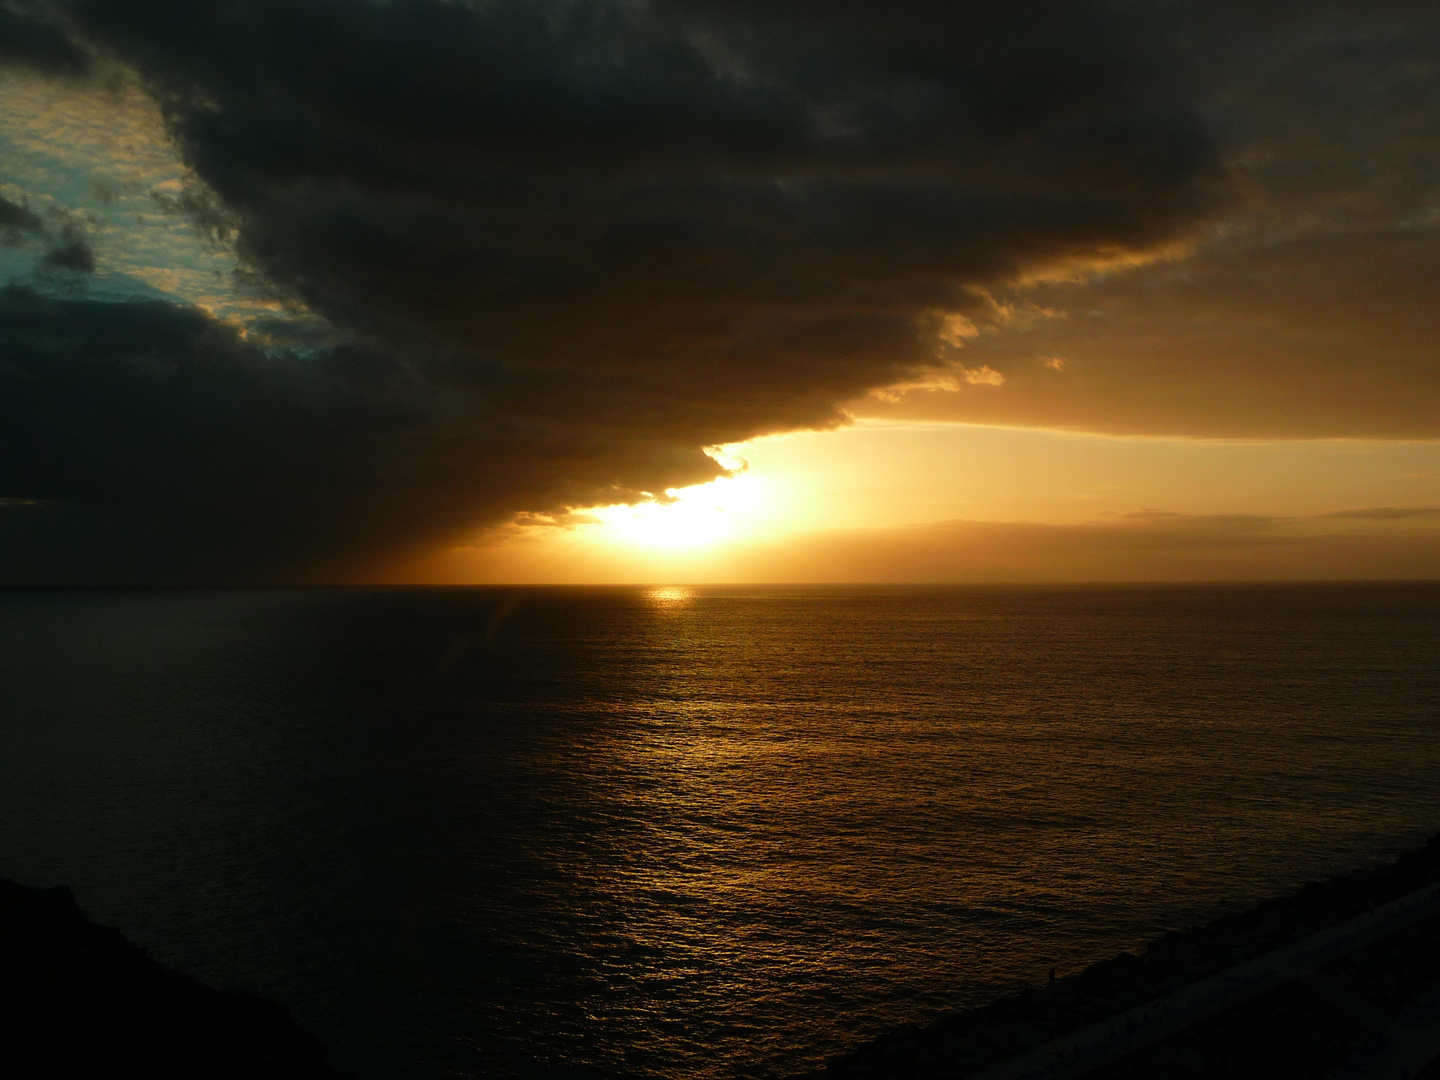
pixel 654 290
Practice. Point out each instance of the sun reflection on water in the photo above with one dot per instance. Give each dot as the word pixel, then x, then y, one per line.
pixel 669 596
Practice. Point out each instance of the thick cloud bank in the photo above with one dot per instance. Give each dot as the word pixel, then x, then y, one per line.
pixel 563 244
pixel 570 242
pixel 147 442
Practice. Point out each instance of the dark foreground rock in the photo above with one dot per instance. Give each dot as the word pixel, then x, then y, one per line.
pixel 78 1000
pixel 1314 1027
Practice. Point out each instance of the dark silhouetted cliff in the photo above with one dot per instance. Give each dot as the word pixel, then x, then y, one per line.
pixel 78 1000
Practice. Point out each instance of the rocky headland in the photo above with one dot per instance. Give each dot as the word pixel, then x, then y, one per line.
pixel 78 1000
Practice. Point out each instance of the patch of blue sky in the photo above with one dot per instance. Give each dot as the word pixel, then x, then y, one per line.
pixel 97 154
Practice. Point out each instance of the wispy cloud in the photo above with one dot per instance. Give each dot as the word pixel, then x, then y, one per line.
pixel 1389 513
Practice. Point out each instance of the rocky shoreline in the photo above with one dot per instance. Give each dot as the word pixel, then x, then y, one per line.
pixel 1310 1028
pixel 78 1000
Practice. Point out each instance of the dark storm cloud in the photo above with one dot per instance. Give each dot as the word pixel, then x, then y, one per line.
pixel 70 254
pixel 149 426
pixel 658 187
pixel 29 39
pixel 17 223
pixel 67 254
pixel 1310 310
pixel 593 236
pixel 151 443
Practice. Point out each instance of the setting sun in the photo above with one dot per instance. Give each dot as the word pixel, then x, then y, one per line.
pixel 688 517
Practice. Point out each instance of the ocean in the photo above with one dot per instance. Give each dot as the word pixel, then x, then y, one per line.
pixel 694 832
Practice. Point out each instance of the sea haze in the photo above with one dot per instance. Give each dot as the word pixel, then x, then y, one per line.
pixel 693 832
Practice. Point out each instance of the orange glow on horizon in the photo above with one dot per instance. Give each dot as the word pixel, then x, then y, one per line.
pixel 844 505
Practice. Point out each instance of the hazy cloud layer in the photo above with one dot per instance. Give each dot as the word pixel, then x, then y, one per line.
pixel 1141 547
pixel 1354 545
pixel 1308 308
pixel 570 242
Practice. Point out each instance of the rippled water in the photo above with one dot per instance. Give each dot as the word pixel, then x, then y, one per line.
pixel 693 833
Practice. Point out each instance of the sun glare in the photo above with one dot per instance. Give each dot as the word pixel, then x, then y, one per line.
pixel 689 517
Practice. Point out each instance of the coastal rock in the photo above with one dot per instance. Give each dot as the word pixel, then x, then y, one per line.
pixel 78 1000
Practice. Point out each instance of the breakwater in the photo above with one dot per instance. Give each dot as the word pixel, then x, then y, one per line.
pixel 1339 979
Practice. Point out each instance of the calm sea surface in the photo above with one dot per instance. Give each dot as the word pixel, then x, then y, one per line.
pixel 693 833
